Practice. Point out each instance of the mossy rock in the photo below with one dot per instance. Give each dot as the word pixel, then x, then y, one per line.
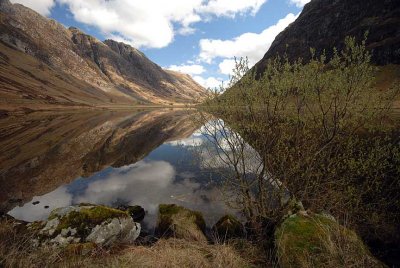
pixel 84 217
pixel 228 227
pixel 319 241
pixel 179 222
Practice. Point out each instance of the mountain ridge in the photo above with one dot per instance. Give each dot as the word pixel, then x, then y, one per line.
pixel 324 24
pixel 114 73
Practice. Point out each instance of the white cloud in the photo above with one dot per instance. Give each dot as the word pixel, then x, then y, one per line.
pixel 41 6
pixel 195 140
pixel 149 183
pixel 29 212
pixel 251 45
pixel 193 69
pixel 151 23
pixel 230 8
pixel 226 66
pixel 154 23
pixel 146 183
pixel 210 82
pixel 299 3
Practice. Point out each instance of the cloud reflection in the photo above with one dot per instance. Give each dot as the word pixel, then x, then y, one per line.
pixel 29 212
pixel 146 183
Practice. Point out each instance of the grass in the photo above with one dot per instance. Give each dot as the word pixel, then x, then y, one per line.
pixel 16 251
pixel 180 222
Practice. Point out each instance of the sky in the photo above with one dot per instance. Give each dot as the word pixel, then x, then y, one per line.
pixel 197 37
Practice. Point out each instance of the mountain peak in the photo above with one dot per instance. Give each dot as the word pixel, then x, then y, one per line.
pixel 5 4
pixel 324 25
pixel 121 47
pixel 78 68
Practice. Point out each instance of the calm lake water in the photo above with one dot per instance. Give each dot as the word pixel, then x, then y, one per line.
pixel 141 158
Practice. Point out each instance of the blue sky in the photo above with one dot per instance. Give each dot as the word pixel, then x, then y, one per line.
pixel 198 37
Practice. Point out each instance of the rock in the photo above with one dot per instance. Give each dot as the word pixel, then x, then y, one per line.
pixel 294 206
pixel 123 229
pixel 136 212
pixel 87 223
pixel 318 241
pixel 179 222
pixel 228 227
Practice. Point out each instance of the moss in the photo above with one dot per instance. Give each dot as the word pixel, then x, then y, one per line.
pixel 180 222
pixel 166 211
pixel 169 209
pixel 318 241
pixel 88 217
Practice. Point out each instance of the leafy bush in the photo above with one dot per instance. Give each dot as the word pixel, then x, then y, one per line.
pixel 324 135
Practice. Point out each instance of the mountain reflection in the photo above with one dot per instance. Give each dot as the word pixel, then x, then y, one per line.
pixel 40 152
pixel 104 158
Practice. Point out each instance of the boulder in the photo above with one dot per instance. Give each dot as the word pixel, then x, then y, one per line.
pixel 317 240
pixel 86 223
pixel 136 212
pixel 228 227
pixel 179 222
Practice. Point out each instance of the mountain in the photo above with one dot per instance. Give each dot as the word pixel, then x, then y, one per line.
pixel 43 63
pixel 324 24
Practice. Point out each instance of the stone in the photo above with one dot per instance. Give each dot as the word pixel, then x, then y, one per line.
pixel 294 206
pixel 122 229
pixel 87 223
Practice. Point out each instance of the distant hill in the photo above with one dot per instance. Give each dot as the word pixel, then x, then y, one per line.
pixel 323 24
pixel 43 63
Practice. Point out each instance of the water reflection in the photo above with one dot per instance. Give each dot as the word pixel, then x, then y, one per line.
pixel 143 159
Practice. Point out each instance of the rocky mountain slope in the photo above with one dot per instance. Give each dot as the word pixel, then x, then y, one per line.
pixel 42 62
pixel 323 24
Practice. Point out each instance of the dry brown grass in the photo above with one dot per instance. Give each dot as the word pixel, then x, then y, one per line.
pixel 17 251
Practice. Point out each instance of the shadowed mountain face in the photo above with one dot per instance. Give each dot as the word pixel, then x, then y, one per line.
pixel 323 24
pixel 43 63
pixel 32 147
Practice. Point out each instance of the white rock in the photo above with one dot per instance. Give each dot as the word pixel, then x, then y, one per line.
pixel 50 227
pixel 125 230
